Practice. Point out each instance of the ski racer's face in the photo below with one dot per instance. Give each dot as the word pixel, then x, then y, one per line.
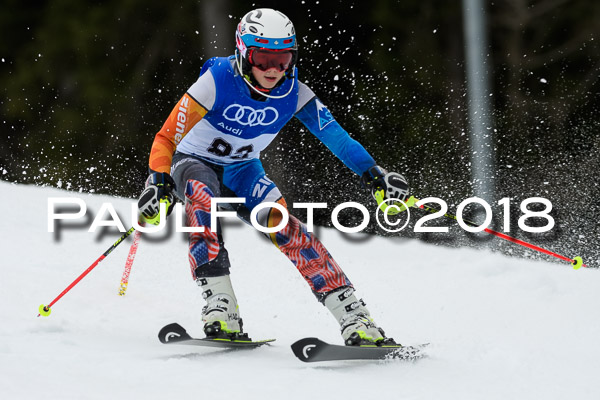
pixel 269 65
pixel 269 78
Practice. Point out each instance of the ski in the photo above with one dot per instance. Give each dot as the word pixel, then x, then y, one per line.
pixel 176 334
pixel 313 350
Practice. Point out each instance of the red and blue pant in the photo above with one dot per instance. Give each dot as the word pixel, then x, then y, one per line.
pixel 198 181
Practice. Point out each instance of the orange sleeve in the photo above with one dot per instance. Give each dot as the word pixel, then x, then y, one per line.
pixel 187 113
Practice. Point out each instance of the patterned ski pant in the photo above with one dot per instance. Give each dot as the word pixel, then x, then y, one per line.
pixel 198 181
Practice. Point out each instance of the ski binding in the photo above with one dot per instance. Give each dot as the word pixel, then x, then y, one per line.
pixel 176 334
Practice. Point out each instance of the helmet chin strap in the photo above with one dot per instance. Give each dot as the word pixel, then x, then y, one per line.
pixel 238 63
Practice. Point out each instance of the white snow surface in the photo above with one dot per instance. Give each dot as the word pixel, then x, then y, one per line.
pixel 499 328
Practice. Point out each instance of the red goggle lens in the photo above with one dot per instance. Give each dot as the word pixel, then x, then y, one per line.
pixel 267 59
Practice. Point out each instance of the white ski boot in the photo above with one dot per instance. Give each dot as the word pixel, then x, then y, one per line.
pixel 220 315
pixel 357 326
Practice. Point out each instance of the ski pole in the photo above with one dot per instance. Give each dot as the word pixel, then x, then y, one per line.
pixel 129 263
pixel 45 310
pixel 577 262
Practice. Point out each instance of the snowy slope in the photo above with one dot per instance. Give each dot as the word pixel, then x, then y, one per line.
pixel 500 328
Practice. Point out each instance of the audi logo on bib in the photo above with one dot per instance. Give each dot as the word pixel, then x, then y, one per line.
pixel 245 115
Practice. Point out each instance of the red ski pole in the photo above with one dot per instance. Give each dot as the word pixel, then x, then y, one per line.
pixel 577 262
pixel 45 310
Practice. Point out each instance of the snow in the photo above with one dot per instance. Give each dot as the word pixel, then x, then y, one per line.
pixel 499 328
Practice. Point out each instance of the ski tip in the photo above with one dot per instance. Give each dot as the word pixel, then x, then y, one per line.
pixel 173 333
pixel 44 310
pixel 307 348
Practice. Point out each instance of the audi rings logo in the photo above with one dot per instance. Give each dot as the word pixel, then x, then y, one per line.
pixel 245 115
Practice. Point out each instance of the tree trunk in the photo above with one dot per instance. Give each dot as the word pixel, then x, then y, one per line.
pixel 217 29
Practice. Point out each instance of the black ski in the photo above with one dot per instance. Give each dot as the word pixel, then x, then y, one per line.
pixel 176 334
pixel 313 350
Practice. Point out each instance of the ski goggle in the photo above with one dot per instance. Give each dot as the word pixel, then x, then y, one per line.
pixel 264 59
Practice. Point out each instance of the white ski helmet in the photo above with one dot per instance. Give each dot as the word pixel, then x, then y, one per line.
pixel 266 38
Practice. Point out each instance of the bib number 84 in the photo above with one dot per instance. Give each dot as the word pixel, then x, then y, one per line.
pixel 221 148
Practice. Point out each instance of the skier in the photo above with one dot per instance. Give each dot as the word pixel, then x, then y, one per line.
pixel 210 146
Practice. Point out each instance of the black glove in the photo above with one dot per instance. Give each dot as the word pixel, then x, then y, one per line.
pixel 159 188
pixel 393 184
pixel 385 186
